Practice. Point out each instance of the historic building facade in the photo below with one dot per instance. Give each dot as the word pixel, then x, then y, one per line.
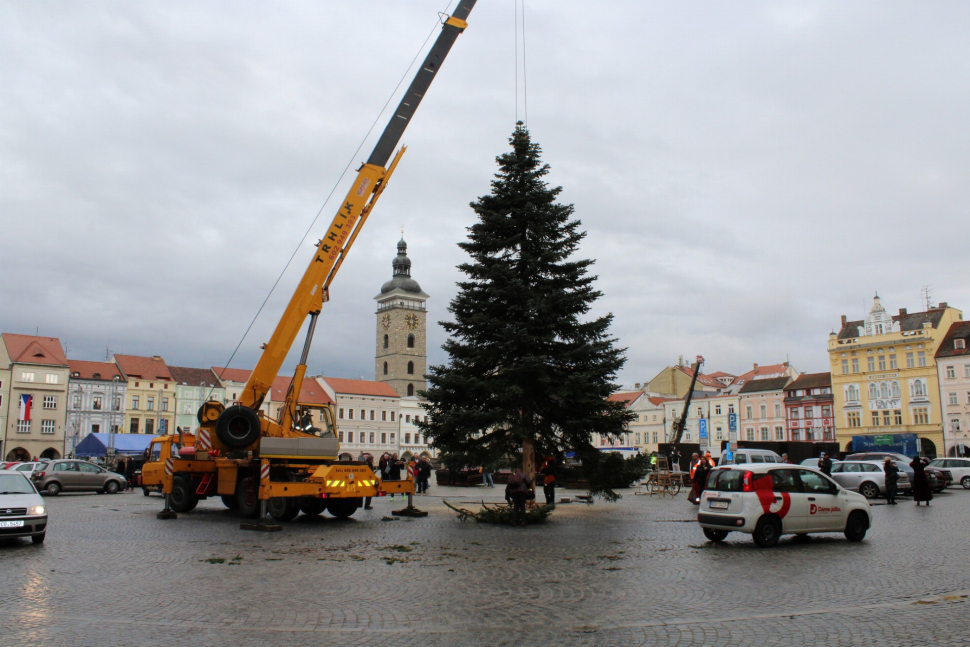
pixel 401 359
pixel 193 386
pixel 35 398
pixel 953 374
pixel 884 376
pixel 809 408
pixel 149 395
pixel 95 401
pixel 762 409
pixel 368 420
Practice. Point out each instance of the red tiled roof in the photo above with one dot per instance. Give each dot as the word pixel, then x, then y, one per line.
pixel 87 370
pixel 657 401
pixel 763 370
pixel 193 376
pixel 706 380
pixel 627 398
pixel 310 393
pixel 232 374
pixel 766 384
pixel 959 330
pixel 146 368
pixel 361 387
pixel 811 381
pixel 30 349
pixel 718 374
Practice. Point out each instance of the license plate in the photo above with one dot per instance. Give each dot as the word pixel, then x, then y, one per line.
pixel 723 505
pixel 12 524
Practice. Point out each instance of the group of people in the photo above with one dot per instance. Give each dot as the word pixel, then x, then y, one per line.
pixel 390 468
pixel 127 467
pixel 700 469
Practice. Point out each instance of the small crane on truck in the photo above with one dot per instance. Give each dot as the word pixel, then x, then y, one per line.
pixel 259 464
pixel 681 424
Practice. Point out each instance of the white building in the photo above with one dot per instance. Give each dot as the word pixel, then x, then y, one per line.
pixel 368 419
pixel 95 401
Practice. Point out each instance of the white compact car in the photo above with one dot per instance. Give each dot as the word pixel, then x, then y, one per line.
pixel 771 500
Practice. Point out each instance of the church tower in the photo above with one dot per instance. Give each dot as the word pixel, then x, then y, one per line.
pixel 401 358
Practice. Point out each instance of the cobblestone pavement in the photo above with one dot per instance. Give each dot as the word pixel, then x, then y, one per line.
pixel 638 572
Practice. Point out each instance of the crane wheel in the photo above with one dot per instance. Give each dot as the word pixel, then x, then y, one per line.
pixel 247 497
pixel 182 498
pixel 312 506
pixel 238 427
pixel 343 508
pixel 283 508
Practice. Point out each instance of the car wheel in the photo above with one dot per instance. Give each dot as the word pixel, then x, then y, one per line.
pixel 247 498
pixel 767 532
pixel 112 487
pixel 39 539
pixel 717 536
pixel 965 482
pixel 53 488
pixel 182 498
pixel 312 506
pixel 283 509
pixel 869 490
pixel 229 500
pixel 856 526
pixel 343 508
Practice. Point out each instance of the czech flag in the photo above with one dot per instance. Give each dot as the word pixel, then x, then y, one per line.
pixel 26 402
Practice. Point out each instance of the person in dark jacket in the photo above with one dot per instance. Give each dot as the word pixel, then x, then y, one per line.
pixel 825 464
pixel 119 467
pixel 892 480
pixel 370 463
pixel 130 472
pixel 424 474
pixel 701 473
pixel 517 490
pixel 548 471
pixel 921 485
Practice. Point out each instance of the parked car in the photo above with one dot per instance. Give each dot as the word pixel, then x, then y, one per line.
pixel 868 478
pixel 770 500
pixel 744 455
pixel 934 477
pixel 959 468
pixel 76 476
pixel 813 462
pixel 28 468
pixel 22 510
pixel 5 465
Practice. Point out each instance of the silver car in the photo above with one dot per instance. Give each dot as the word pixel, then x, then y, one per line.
pixel 74 476
pixel 868 478
pixel 22 510
pixel 28 468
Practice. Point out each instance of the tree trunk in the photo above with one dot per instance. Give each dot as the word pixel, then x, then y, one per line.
pixel 529 459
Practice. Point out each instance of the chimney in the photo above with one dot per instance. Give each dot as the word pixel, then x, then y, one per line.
pixel 157 358
pixel 902 311
pixel 636 386
pixel 785 364
pixel 843 321
pixel 756 367
pixel 943 304
pixel 680 360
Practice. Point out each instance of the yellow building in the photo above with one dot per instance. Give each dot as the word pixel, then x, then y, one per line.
pixel 884 377
pixel 150 398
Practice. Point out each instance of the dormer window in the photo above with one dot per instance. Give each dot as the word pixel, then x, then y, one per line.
pixel 959 344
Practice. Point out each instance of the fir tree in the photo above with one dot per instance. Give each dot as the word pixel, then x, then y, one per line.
pixel 525 371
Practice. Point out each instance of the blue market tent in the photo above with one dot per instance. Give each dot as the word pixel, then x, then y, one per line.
pixel 124 444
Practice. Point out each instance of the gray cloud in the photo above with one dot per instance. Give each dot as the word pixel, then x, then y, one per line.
pixel 747 172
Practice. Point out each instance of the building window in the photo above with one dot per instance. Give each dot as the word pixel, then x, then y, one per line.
pixel 410 341
pixel 717 410
pixel 795 435
pixel 410 389
pixel 96 403
pixel 882 362
pixel 809 412
pixel 750 433
pixel 720 433
pixel 764 411
pixel 909 360
pixel 921 416
pixel 952 400
pixel 966 370
pixel 892 362
pixel 385 341
pixel 149 426
pixel 637 441
pixel 372 438
pixel 26 377
pixel 52 378
pixel 895 386
pixel 826 411
pixel 50 401
pixel 407 439
pixel 921 356
pixel 392 438
pixel 875 418
pixel 852 393
pixel 350 414
pixel 134 402
pixel 955 422
pixel 764 434
pixel 796 413
pixel 871 363
pixel 919 389
pixel 777 410
pixel 350 435
pixel 164 404
pixel 384 438
pixel 384 417
pixel 845 366
pixel 410 368
pixel 77 401
pixel 150 403
pixel 46 426
pixel 873 391
pixel 957 344
pixel 371 414
pixel 340 413
pixel 385 368
pixel 363 414
pixel 951 371
pixel 23 426
pixel 340 436
pixel 899 416
pixel 407 418
pixel 885 418
pixel 392 420
pixel 779 433
pixel 749 413
pixel 133 426
pixel 655 437
pixel 855 364
pixel 854 419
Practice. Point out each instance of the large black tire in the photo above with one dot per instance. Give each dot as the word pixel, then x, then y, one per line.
pixel 717 536
pixel 247 498
pixel 869 490
pixel 767 532
pixel 283 509
pixel 52 489
pixel 112 487
pixel 312 506
pixel 182 498
pixel 856 526
pixel 229 500
pixel 238 427
pixel 342 508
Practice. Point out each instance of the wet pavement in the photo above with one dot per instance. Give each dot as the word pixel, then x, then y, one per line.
pixel 637 572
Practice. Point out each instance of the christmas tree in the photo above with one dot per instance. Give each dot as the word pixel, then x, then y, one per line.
pixel 525 371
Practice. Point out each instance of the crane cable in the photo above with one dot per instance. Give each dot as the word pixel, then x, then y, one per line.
pixel 329 196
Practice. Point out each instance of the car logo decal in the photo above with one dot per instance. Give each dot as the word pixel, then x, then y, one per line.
pixel 763 487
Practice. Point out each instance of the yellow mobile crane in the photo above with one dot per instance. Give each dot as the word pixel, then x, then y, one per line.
pixel 281 466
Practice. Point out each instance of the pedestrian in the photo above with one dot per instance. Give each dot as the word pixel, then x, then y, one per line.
pixel 548 471
pixel 653 461
pixel 709 460
pixel 892 478
pixel 825 464
pixel 921 486
pixel 424 474
pixel 675 461
pixel 370 463
pixel 699 480
pixel 487 479
pixel 119 467
pixel 784 459
pixel 382 465
pixel 517 491
pixel 130 472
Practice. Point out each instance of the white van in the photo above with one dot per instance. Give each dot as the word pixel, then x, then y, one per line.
pixel 744 455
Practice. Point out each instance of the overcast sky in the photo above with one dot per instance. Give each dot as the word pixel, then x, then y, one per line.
pixel 746 171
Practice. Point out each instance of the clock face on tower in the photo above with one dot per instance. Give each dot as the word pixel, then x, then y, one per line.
pixel 411 321
pixel 386 320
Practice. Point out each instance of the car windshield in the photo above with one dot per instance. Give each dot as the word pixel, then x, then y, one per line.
pixel 15 484
pixel 725 480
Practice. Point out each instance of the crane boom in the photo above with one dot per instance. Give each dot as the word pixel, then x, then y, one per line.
pixel 682 423
pixel 372 177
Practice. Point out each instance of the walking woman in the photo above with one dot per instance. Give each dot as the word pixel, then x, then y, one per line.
pixel 892 478
pixel 921 486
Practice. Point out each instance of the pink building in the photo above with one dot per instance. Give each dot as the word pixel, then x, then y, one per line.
pixel 809 406
pixel 762 415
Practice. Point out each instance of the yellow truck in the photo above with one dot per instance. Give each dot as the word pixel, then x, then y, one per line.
pixel 259 464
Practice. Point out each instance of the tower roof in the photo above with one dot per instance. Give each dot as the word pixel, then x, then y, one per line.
pixel 402 272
